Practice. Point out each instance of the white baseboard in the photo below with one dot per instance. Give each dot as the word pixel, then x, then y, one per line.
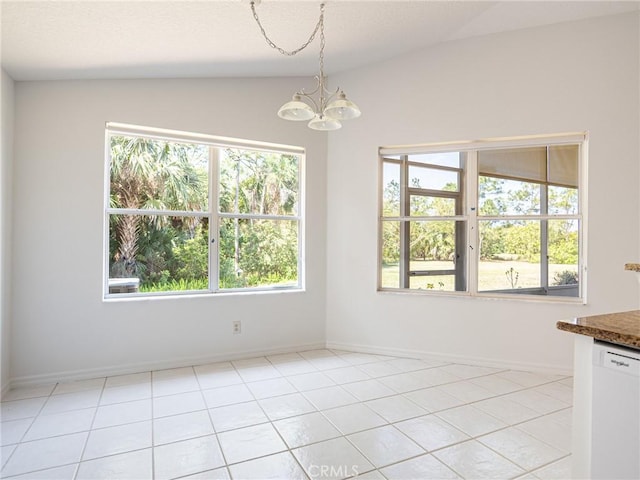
pixel 465 359
pixel 85 374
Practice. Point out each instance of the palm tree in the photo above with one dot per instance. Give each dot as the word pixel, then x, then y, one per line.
pixel 153 174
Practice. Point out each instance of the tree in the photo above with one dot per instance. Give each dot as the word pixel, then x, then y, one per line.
pixel 152 174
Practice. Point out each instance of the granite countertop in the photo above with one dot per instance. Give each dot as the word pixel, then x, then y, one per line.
pixel 634 267
pixel 622 328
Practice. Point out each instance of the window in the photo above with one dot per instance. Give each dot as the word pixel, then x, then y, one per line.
pixel 189 213
pixel 487 218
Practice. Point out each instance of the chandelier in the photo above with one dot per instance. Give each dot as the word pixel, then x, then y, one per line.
pixel 330 107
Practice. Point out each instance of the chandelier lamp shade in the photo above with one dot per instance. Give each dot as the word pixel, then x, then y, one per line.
pixel 322 108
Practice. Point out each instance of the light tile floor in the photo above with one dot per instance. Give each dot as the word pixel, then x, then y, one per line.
pixel 312 414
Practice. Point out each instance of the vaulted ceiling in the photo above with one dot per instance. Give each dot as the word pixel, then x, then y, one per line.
pixel 186 38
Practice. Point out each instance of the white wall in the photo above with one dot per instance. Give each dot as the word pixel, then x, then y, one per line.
pixel 563 78
pixel 61 325
pixel 6 160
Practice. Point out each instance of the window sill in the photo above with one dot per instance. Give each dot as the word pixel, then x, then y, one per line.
pixel 115 298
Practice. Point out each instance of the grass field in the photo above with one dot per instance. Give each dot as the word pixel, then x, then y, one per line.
pixel 492 275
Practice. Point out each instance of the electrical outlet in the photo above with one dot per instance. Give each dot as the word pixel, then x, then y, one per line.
pixel 237 327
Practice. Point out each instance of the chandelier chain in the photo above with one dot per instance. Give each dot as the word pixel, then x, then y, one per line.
pixel 290 53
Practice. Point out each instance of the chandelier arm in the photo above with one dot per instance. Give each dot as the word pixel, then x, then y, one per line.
pixel 272 44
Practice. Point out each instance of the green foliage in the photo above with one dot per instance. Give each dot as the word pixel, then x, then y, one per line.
pixel 566 277
pixel 172 253
pixel 175 285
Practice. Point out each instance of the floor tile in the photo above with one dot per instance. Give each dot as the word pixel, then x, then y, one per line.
pixel 256 374
pixel 296 367
pixel 13 431
pixel 496 385
pixel 521 448
pixel 177 404
pixel 306 429
pixel 426 467
pixel 181 427
pixel 121 413
pixel 380 369
pixel 310 381
pixel 549 431
pixel 560 470
pixel 277 467
pixel 19 409
pixel 47 453
pixel 270 388
pixel 330 397
pixel 471 421
pixel 466 391
pixel 251 362
pixel 129 379
pixel 394 409
pixel 219 397
pixel 250 442
pixel 346 375
pixel 332 459
pixel 5 453
pixel 66 402
pixel 431 433
pixel 79 386
pixel 217 474
pixel 538 402
pixel 408 364
pixel 354 418
pixel 317 353
pixel 473 460
pixel 368 390
pixel 237 416
pixel 173 373
pixel 217 375
pixel 125 393
pixel 403 382
pixel 556 390
pixel 23 393
pixel 285 406
pixel 358 358
pixel 120 439
pixel 173 385
pixel 125 466
pixel 434 399
pixel 66 472
pixel 505 409
pixel 285 358
pixel 563 417
pixel 372 475
pixel 328 362
pixel 528 379
pixel 469 371
pixel 187 457
pixel 385 445
pixel 57 424
pixel 432 377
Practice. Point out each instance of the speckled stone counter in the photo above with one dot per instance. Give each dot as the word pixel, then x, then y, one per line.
pixel 620 328
pixel 634 267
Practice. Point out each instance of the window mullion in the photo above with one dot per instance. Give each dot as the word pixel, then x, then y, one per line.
pixel 405 226
pixel 214 227
pixel 473 244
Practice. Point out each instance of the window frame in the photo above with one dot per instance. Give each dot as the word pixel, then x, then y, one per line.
pixel 213 213
pixel 469 189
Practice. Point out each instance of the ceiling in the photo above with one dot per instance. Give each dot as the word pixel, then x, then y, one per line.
pixel 54 40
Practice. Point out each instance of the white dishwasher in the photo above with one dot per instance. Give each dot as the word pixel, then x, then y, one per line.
pixel 615 443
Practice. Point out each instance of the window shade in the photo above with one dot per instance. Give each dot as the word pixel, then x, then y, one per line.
pixel 530 164
pixel 526 164
pixel 563 165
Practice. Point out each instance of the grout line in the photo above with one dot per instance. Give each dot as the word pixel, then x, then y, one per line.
pixel 244 382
